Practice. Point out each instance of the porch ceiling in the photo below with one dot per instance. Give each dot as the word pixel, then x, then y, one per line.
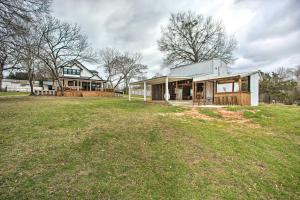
pixel 230 76
pixel 159 80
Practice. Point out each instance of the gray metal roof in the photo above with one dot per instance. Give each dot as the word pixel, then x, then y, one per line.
pixel 93 71
pixel 205 67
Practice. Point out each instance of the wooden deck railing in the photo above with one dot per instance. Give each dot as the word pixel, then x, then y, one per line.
pixel 78 88
pixel 45 92
pixel 232 98
pixel 74 93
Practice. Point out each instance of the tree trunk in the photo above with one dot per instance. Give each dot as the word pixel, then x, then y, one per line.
pixel 30 79
pixel 126 87
pixel 111 84
pixel 31 87
pixel 61 87
pixel 1 75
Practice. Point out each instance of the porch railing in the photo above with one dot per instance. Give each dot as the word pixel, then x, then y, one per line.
pixel 232 98
pixel 45 92
pixel 76 88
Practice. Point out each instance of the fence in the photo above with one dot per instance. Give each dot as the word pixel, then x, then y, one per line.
pixel 73 93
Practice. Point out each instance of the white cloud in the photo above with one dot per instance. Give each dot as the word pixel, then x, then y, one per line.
pixel 267 31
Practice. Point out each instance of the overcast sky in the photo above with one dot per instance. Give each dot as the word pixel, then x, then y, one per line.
pixel 268 31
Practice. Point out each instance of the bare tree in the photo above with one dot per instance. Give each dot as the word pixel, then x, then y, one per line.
pixel 285 73
pixel 191 38
pixel 121 67
pixel 107 59
pixel 130 67
pixel 297 73
pixel 157 74
pixel 8 59
pixel 28 53
pixel 13 15
pixel 60 44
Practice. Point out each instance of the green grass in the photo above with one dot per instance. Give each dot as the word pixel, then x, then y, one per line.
pixel 14 94
pixel 109 148
pixel 211 112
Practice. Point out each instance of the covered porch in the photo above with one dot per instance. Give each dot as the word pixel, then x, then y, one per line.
pixel 166 88
pixel 226 90
pixel 73 84
pixel 238 89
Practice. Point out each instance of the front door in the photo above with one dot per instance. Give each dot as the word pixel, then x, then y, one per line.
pixel 85 86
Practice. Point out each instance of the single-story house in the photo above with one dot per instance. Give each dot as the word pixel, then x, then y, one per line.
pixel 19 85
pixel 207 82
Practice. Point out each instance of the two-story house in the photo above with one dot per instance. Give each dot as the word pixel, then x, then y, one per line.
pixel 76 76
pixel 207 82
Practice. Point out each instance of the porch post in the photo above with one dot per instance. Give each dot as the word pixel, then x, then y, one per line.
pixel 77 85
pixel 90 85
pixel 240 91
pixel 213 99
pixel 204 90
pixel 145 91
pixel 167 90
pixel 129 92
pixel 193 89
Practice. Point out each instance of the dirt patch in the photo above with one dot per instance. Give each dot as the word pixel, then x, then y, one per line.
pixel 194 113
pixel 237 117
pixel 230 114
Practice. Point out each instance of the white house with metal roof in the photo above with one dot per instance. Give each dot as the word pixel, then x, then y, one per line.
pixel 207 82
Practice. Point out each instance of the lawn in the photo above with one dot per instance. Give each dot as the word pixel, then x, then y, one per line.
pixel 14 94
pixel 109 148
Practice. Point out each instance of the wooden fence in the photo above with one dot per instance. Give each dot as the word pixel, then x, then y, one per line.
pixel 73 93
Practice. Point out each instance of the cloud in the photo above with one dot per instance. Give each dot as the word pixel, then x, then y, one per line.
pixel 270 40
pixel 268 31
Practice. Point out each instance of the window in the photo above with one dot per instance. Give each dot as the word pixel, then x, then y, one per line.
pixel 72 71
pixel 199 87
pixel 224 87
pixel 245 85
pixel 232 86
pixel 70 83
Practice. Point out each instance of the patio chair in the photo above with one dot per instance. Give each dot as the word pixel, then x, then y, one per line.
pixel 200 99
